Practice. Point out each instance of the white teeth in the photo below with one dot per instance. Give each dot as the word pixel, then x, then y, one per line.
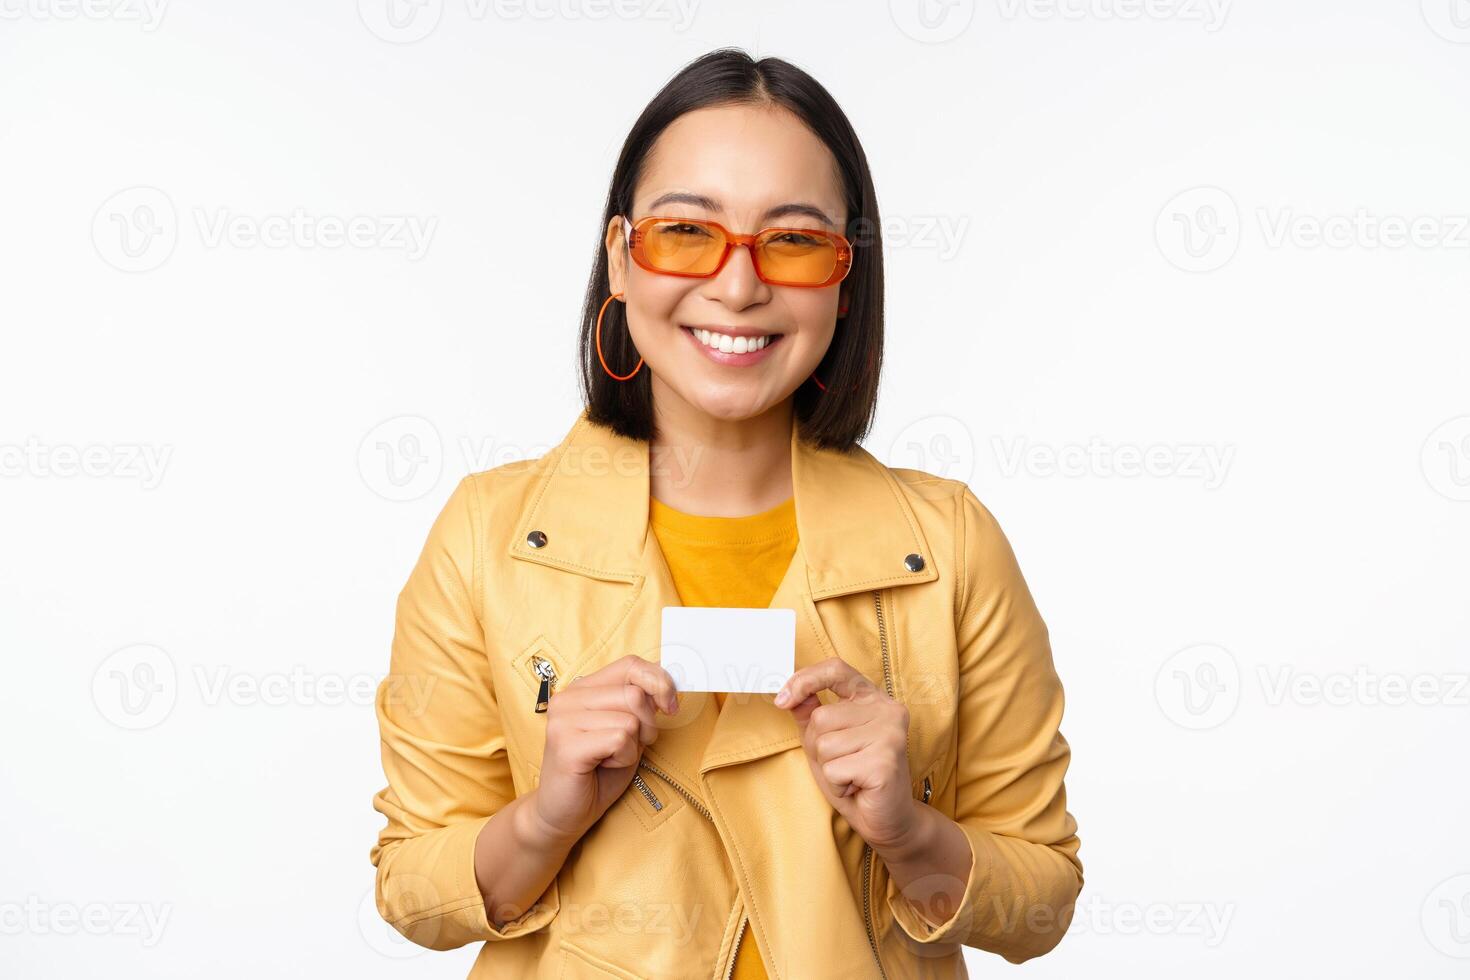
pixel 731 345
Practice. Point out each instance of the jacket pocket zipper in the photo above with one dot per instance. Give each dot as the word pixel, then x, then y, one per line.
pixel 546 671
pixel 643 788
pixel 690 797
pixel 868 856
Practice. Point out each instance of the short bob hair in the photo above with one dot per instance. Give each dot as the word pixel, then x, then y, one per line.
pixel 842 414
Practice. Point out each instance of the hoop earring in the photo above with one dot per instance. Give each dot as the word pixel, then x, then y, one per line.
pixel 609 370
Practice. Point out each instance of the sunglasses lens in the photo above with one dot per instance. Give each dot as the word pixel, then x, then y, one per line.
pixel 791 257
pixel 689 248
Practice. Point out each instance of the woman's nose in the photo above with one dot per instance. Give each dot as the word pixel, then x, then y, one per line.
pixel 737 286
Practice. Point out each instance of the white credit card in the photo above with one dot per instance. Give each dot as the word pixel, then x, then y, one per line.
pixel 728 648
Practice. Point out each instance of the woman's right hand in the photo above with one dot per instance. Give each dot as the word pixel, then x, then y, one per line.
pixel 596 728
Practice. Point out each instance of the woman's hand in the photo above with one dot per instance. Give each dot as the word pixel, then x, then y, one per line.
pixel 857 748
pixel 596 728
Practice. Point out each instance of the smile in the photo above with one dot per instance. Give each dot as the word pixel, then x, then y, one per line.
pixel 729 349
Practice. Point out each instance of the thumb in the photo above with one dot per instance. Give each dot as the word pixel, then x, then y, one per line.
pixel 802 712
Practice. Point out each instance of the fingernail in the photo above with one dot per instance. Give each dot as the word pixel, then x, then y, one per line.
pixel 782 697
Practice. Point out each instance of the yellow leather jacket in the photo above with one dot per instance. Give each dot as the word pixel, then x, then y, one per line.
pixel 540 570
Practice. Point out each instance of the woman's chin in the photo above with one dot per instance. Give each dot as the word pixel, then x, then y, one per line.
pixel 731 403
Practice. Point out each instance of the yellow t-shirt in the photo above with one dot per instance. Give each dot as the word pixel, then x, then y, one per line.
pixel 728 561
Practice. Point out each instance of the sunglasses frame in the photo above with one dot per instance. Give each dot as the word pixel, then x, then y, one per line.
pixel 635 232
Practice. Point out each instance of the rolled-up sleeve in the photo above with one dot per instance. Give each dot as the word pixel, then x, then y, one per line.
pixel 1010 800
pixel 443 747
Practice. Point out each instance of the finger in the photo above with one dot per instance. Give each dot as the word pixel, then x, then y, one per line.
pixel 628 698
pixel 802 713
pixel 849 773
pixel 833 716
pixel 644 727
pixel 837 715
pixel 829 746
pixel 657 681
pixel 606 747
pixel 633 669
pixel 834 674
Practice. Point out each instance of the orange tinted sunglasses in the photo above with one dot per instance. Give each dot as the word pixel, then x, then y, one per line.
pixel 699 249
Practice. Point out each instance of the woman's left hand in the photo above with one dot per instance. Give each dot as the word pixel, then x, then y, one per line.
pixel 857 747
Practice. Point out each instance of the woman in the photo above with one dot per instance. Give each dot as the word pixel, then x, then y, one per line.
pixel 550 792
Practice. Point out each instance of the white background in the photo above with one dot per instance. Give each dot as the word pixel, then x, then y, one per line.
pixel 1231 238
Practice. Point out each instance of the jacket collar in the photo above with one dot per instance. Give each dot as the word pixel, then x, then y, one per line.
pixel 854 526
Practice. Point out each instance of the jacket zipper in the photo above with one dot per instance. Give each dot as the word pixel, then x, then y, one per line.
pixel 868 856
pixel 643 788
pixel 735 950
pixel 694 802
pixel 546 671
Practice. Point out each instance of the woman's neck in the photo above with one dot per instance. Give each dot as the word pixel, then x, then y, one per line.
pixel 717 467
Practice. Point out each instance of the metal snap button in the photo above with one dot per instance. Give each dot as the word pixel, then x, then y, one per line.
pixel 914 563
pixel 536 539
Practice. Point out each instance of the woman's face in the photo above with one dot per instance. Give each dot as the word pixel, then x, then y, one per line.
pixel 748 168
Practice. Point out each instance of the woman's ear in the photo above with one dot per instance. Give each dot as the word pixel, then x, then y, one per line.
pixel 617 254
pixel 842 298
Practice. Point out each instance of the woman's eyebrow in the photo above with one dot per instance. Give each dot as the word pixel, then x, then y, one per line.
pixel 710 204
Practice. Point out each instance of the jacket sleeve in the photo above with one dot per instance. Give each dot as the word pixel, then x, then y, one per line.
pixel 443 747
pixel 1009 796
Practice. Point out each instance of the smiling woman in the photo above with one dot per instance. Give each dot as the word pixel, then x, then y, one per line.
pixel 558 797
pixel 738 153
